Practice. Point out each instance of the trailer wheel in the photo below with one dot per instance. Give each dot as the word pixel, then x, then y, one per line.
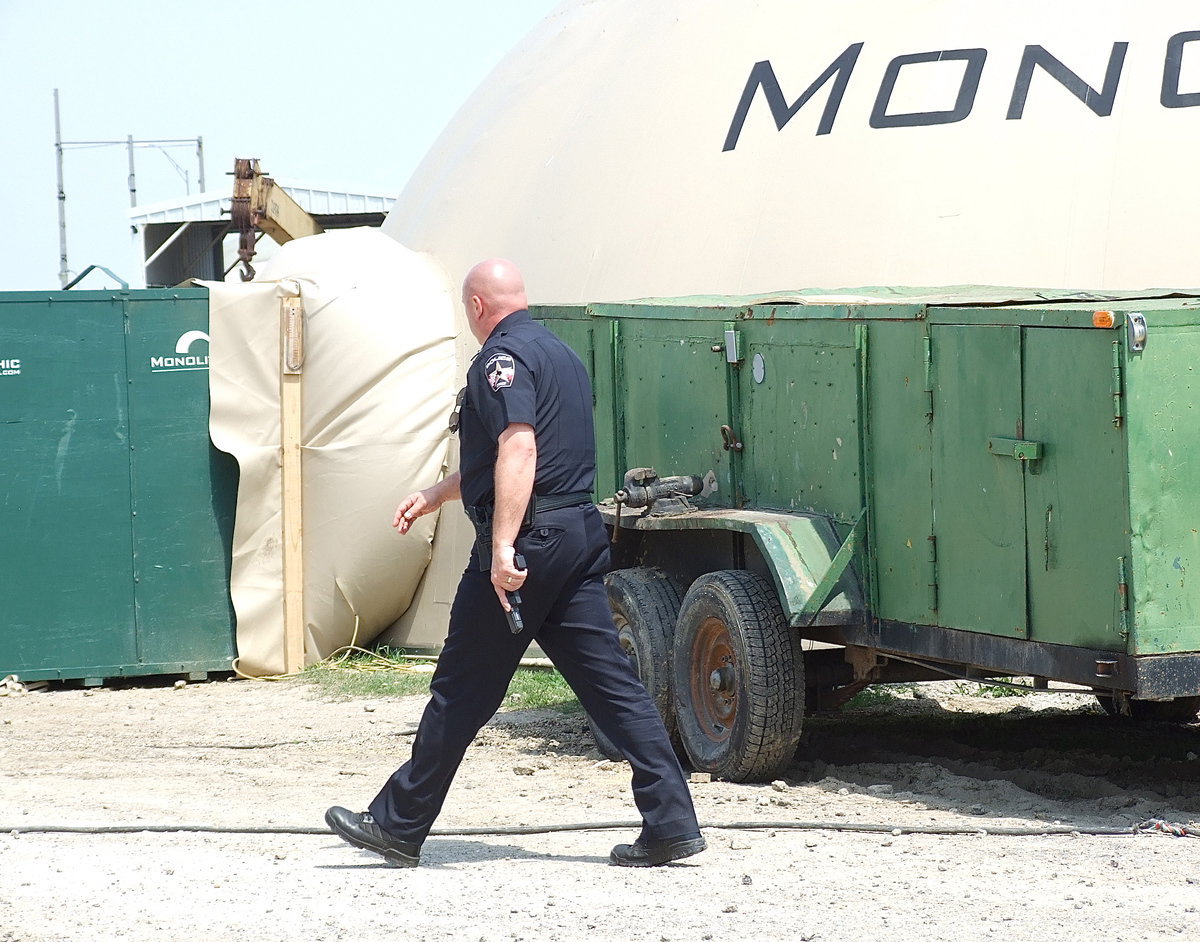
pixel 1179 710
pixel 645 604
pixel 739 678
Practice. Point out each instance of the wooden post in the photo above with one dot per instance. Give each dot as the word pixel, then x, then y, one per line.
pixel 291 315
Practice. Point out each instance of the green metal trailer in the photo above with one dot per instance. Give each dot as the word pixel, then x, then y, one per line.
pixel 116 511
pixel 968 483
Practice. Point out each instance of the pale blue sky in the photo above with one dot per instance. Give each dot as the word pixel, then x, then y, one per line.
pixel 346 95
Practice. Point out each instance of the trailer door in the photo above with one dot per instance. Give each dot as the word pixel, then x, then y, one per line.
pixel 674 393
pixel 1076 509
pixel 978 492
pixel 1030 513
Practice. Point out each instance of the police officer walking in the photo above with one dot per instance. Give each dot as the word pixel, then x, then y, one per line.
pixel 527 471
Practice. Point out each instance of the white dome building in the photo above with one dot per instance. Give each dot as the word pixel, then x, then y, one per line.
pixel 630 149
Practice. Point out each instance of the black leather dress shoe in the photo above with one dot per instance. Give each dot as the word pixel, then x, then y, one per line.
pixel 362 831
pixel 651 853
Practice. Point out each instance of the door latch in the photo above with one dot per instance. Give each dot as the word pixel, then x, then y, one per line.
pixel 1015 448
pixel 1137 331
pixel 729 439
pixel 732 347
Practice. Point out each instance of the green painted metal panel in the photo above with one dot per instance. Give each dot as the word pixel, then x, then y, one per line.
pixel 1010 302
pixel 675 395
pixel 900 469
pixel 66 588
pixel 1038 316
pixel 1076 511
pixel 811 313
pixel 1163 391
pixel 835 572
pixel 1182 313
pixel 800 417
pixel 1058 474
pixel 978 496
pixel 592 341
pixel 183 488
pixel 117 513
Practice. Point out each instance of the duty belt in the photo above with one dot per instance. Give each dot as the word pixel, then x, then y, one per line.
pixel 481 514
pixel 481 518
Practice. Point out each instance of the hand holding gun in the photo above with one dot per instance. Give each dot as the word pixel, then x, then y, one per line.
pixel 516 624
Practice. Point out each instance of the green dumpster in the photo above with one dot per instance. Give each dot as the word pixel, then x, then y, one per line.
pixel 116 514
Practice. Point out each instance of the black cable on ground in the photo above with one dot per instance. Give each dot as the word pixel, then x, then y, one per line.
pixel 1153 825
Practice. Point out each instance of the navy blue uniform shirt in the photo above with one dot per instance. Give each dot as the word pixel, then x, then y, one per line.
pixel 525 374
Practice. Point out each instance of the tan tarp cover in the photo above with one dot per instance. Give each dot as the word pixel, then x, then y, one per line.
pixel 378 384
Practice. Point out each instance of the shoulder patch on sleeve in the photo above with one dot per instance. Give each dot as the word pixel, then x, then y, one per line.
pixel 499 370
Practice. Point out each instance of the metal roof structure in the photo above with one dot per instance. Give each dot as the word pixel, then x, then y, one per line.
pixel 186 238
pixel 214 207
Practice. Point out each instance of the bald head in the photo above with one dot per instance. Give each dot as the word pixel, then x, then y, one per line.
pixel 492 290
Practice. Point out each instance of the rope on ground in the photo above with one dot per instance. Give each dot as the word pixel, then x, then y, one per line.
pixel 344 651
pixel 1056 830
pixel 422 663
pixel 372 661
pixel 1165 827
pixel 242 674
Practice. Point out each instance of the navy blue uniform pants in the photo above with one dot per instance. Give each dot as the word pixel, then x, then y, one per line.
pixel 565 607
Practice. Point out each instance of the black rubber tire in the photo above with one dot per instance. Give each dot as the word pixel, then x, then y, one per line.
pixel 1179 710
pixel 645 604
pixel 747 729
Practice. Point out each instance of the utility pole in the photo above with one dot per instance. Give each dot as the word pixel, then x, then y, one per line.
pixel 132 174
pixel 64 275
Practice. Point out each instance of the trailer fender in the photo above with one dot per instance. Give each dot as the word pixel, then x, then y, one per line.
pixel 812 568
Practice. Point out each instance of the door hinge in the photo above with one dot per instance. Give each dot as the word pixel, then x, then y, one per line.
pixel 591 352
pixel 1123 596
pixel 1118 386
pixel 928 343
pixel 1046 544
pixel 933 584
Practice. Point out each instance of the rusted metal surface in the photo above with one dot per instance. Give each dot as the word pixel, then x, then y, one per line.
pixel 262 206
pixel 996 655
pixel 714 680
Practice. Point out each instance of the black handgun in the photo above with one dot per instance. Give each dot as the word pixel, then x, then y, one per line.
pixel 516 624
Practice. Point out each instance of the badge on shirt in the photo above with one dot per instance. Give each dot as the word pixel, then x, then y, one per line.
pixel 499 371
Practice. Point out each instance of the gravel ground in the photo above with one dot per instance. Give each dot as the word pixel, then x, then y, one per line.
pixel 784 860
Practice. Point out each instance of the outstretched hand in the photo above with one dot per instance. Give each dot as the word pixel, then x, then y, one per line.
pixel 413 506
pixel 419 503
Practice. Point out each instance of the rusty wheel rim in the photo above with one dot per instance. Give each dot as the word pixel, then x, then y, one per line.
pixel 625 639
pixel 714 679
